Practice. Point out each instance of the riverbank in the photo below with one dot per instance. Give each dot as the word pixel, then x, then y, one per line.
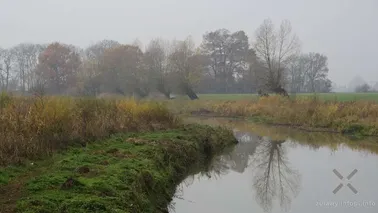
pixel 135 172
pixel 310 114
pixel 283 133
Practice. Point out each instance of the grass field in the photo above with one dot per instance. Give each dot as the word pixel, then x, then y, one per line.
pixel 322 96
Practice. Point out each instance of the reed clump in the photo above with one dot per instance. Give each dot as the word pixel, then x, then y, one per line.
pixel 32 127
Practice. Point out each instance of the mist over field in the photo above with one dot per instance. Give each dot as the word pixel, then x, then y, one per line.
pixel 342 31
pixel 164 105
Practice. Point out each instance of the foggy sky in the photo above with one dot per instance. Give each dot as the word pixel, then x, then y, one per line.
pixel 345 30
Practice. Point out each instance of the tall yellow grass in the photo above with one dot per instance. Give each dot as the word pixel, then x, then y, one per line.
pixel 356 116
pixel 33 127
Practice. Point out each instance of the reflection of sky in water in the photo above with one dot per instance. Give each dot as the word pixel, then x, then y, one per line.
pixel 263 175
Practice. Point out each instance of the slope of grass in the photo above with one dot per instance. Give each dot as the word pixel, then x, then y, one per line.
pixel 126 173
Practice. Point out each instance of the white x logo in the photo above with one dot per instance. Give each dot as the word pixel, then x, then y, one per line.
pixel 348 178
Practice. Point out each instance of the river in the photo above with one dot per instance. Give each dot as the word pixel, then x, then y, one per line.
pixel 280 169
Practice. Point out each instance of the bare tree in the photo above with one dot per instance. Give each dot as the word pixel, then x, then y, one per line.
pixel 297 72
pixel 8 61
pixel 186 66
pixel 20 57
pixel 275 49
pixel 156 61
pixel 26 59
pixel 317 69
pixel 1 70
pixel 308 73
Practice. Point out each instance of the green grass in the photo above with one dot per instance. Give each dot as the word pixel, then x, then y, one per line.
pixel 126 173
pixel 322 96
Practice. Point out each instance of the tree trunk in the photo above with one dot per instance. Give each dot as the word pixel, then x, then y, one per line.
pixel 192 95
pixel 142 93
pixel 160 87
pixel 189 91
pixel 7 78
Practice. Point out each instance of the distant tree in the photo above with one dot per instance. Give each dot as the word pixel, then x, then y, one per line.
pixel 1 71
pixel 156 61
pixel 137 43
pixel 323 85
pixel 7 62
pixel 186 66
pixel 96 51
pixel 275 49
pixel 308 73
pixel 26 59
pixel 355 82
pixel 249 77
pixel 89 78
pixel 228 53
pixel 363 88
pixel 297 72
pixel 123 70
pixel 317 69
pixel 375 87
pixel 58 67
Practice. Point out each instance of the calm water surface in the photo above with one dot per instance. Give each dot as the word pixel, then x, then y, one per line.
pixel 276 170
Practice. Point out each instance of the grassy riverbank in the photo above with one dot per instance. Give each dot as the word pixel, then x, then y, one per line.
pixel 127 173
pixel 64 154
pixel 357 117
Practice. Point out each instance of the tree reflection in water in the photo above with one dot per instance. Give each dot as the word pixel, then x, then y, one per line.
pixel 273 176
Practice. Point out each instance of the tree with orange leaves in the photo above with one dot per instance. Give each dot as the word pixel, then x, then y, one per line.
pixel 58 67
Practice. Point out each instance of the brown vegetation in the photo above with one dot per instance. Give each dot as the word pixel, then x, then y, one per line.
pixel 347 117
pixel 34 127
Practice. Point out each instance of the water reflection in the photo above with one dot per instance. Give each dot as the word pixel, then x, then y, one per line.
pixel 275 168
pixel 238 159
pixel 273 176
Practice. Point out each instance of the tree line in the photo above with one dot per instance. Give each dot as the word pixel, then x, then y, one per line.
pixel 224 62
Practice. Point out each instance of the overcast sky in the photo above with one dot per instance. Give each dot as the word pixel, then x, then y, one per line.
pixel 345 30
